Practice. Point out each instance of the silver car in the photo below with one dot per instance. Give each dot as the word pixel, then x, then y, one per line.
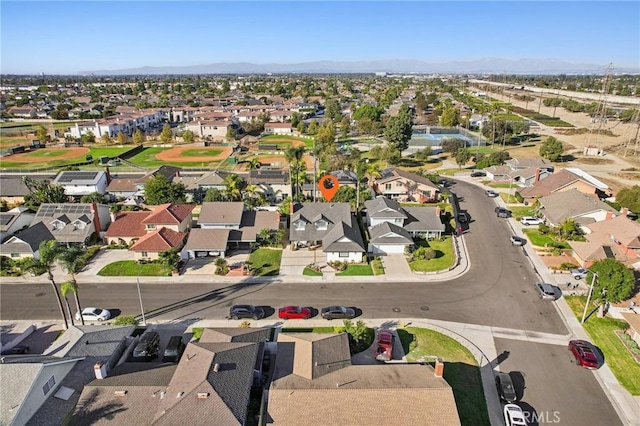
pixel 546 291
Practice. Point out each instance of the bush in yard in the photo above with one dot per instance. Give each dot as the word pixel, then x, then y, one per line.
pixel 222 267
pixel 126 320
pixel 338 266
pixel 424 253
pixel 567 266
pixel 543 229
pixel 615 277
pixel 245 324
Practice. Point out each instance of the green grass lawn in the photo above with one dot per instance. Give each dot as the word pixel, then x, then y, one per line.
pixel 353 270
pixel 131 268
pixel 147 157
pixel 500 185
pixel 311 273
pixel 111 152
pixel 537 239
pixel 308 142
pixel 197 332
pixel 602 332
pixel 508 198
pixel 444 259
pixel 201 153
pixel 460 370
pixel 521 211
pixel 376 265
pixel 266 261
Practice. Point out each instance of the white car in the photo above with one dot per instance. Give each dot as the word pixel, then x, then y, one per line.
pixel 514 416
pixel 528 220
pixel 94 314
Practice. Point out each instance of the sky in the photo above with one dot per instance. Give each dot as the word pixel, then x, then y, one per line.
pixel 57 37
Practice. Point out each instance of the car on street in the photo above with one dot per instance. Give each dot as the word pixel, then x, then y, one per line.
pixel 463 217
pixel 294 312
pixel 513 415
pixel 16 350
pixel 529 220
pixel 584 353
pixel 579 273
pixel 174 349
pixel 246 311
pixel 517 241
pixel 337 312
pixel 506 391
pixel 546 291
pixel 383 345
pixel 147 347
pixel 502 212
pixel 94 314
pixel 491 193
pixel 478 173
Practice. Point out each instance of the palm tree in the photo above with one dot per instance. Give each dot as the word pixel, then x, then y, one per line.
pixel 253 164
pixel 373 172
pixel 65 288
pixel 72 259
pixel 48 252
pixel 234 185
pixel 293 156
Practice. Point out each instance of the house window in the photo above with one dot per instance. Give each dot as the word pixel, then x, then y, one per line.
pixel 399 184
pixel 322 225
pixel 343 254
pixel 144 254
pixel 387 186
pixel 299 225
pixel 49 385
pixel 427 194
pixel 151 227
pixel 399 222
pixel 15 254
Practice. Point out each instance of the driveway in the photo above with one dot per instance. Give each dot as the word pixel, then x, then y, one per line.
pixel 294 261
pixel 104 258
pixel 207 265
pixel 395 266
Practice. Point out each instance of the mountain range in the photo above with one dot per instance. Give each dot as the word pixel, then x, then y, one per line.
pixel 403 66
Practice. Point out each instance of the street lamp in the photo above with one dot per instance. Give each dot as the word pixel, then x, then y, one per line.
pixel 593 281
pixel 144 321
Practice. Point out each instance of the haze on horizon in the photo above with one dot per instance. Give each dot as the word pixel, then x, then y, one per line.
pixel 70 37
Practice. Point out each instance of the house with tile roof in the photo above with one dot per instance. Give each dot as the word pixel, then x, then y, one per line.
pixel 393 227
pixel 617 238
pixel 563 180
pixel 278 128
pixel 177 217
pixel 573 204
pixel 127 227
pixel 313 378
pixel 330 224
pixel 23 111
pixel 149 246
pixel 210 385
pixel 405 187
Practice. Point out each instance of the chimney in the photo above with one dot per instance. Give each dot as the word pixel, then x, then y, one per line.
pixel 109 178
pixel 624 211
pixel 438 212
pixel 216 367
pixel 439 368
pixel 609 216
pixel 537 178
pixel 96 218
pixel 177 173
pixel 100 370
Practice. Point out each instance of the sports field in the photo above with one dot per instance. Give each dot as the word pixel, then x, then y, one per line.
pixel 57 157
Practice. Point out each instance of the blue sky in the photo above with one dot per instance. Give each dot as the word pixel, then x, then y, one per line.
pixel 68 37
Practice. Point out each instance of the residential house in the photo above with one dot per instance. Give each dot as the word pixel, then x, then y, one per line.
pixel 210 385
pixel 617 238
pixel 126 227
pixel 26 243
pixel 23 112
pixel 314 379
pixel 274 184
pixel 13 189
pixel 330 224
pixel 73 223
pixel 149 246
pixel 573 204
pixel 406 187
pixel 346 178
pixel 177 217
pixel 392 227
pixel 79 183
pixel 132 188
pixel 13 221
pixel 523 172
pixel 209 128
pixel 278 128
pixel 197 186
pixel 563 180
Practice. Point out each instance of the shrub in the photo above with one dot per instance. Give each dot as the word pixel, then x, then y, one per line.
pixel 566 266
pixel 424 253
pixel 519 197
pixel 338 266
pixel 126 320
pixel 222 267
pixel 245 324
pixel 543 229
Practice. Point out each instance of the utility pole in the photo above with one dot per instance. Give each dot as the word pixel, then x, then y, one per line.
pixel 586 306
pixel 144 320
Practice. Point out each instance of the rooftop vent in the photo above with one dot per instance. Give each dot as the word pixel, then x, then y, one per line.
pixel 203 395
pixel 120 393
pixel 216 367
pixel 179 394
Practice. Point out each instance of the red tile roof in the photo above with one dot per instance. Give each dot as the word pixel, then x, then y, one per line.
pixel 160 240
pixel 128 224
pixel 169 214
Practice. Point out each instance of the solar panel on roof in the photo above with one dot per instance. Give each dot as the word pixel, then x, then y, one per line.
pixel 5 218
pixel 66 177
pixel 608 251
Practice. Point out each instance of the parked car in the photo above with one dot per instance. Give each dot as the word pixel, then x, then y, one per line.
pixel 339 312
pixel 147 347
pixel 94 314
pixel 16 350
pixel 294 312
pixel 514 416
pixel 528 220
pixel 491 193
pixel 579 273
pixel 546 291
pixel 584 353
pixel 463 217
pixel 174 349
pixel 246 311
pixel 478 173
pixel 502 212
pixel 384 345
pixel 517 241
pixel 506 391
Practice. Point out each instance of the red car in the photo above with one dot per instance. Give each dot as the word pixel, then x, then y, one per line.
pixel 294 312
pixel 383 346
pixel 584 353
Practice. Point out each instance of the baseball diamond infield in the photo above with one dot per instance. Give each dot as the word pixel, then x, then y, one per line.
pixel 45 155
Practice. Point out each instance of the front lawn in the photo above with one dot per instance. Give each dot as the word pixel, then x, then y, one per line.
pixel 131 268
pixel 544 240
pixel 353 270
pixel 266 261
pixel 521 211
pixel 602 332
pixel 460 370
pixel 444 256
pixel 311 273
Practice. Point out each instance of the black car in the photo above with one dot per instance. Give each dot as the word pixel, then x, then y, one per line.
pixel 17 350
pixel 340 312
pixel 246 311
pixel 147 347
pixel 502 212
pixel 174 349
pixel 491 193
pixel 506 391
pixel 478 173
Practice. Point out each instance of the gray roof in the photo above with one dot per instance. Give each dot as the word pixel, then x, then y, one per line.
pixel 310 213
pixel 311 355
pixel 383 207
pixel 253 222
pixel 79 177
pixel 572 203
pixel 28 240
pixel 12 186
pixel 167 171
pixel 423 219
pixel 207 239
pixel 69 214
pixel 89 340
pixel 523 163
pixel 345 177
pixel 389 174
pixel 235 334
pixel 389 233
pixel 344 238
pixel 221 213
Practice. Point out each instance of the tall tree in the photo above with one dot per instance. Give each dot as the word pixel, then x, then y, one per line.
pixel 551 149
pixel 48 252
pixel 253 164
pixel 94 197
pixel 234 186
pixel 450 117
pixel 43 191
pixel 399 128
pixel 345 127
pixel 66 288
pixel 41 133
pixel 166 135
pixel 188 136
pixel 462 157
pixel 294 156
pixel 106 139
pixel 614 281
pixel 122 138
pixel 138 137
pixel 73 261
pixel 159 190
pixel 629 198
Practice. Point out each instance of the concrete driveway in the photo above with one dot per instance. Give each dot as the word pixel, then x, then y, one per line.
pixel 294 261
pixel 396 266
pixel 207 265
pixel 104 258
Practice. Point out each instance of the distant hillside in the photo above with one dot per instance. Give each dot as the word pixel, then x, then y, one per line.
pixel 481 66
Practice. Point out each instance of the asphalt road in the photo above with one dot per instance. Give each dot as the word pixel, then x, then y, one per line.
pixel 556 390
pixel 498 289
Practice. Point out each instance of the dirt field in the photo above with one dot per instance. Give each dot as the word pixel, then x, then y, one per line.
pixel 173 155
pixel 42 157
